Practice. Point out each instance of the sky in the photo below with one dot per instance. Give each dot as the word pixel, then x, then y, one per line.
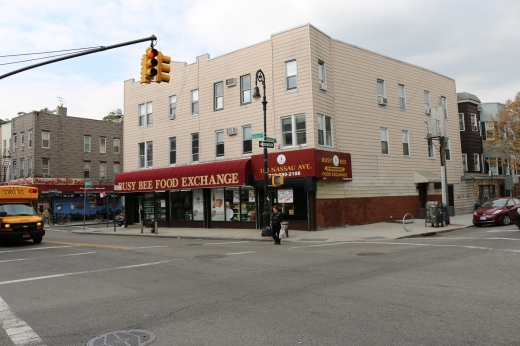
pixel 475 42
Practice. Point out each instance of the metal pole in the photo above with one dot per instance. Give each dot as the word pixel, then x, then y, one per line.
pixel 84 205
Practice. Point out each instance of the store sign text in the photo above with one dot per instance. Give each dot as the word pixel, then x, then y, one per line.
pixel 172 183
pixel 290 168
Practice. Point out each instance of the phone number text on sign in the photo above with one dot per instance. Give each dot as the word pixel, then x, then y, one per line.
pixel 287 174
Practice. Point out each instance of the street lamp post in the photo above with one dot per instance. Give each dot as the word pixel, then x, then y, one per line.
pixel 260 77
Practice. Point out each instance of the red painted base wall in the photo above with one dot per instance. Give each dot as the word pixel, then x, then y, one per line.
pixel 362 211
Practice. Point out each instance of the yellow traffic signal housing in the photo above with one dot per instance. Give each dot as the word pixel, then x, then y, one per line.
pixel 148 65
pixel 277 180
pixel 163 68
pixel 144 78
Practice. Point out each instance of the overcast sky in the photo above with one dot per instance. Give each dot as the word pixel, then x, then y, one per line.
pixel 475 42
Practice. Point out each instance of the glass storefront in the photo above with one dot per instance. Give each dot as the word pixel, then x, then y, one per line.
pixel 233 204
pixel 181 205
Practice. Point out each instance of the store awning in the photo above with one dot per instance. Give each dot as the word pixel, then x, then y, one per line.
pixel 426 177
pixel 194 176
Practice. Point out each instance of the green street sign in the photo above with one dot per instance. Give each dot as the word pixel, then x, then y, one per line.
pixel 89 184
pixel 269 139
pixel 257 136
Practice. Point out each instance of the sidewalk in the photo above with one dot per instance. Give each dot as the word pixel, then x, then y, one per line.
pixel 373 232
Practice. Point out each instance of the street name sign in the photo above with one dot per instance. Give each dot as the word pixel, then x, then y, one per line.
pixel 265 144
pixel 269 139
pixel 89 184
pixel 257 135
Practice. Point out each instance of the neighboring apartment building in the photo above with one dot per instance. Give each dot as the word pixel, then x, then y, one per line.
pixel 349 130
pixel 59 154
pixel 6 158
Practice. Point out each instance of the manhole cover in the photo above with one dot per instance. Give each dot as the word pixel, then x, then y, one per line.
pixel 123 338
pixel 370 254
pixel 210 256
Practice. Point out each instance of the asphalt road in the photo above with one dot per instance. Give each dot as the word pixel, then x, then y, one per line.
pixel 459 288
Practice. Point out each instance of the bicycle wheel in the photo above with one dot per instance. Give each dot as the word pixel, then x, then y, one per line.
pixel 60 221
pixel 51 221
pixel 66 220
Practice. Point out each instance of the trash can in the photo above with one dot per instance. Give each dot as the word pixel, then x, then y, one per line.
pixel 285 226
pixel 434 214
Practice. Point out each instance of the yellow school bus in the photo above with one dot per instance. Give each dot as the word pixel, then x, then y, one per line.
pixel 18 218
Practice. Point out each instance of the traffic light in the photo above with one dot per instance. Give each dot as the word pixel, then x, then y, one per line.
pixel 163 68
pixel 148 65
pixel 277 180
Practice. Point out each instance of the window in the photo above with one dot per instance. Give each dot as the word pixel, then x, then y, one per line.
pixel 145 154
pixel 247 142
pixel 194 147
pixel 293 130
pixel 490 126
pixel 4 147
pixel 86 144
pixel 46 139
pixel 465 162
pixel 102 170
pixel 117 168
pixel 15 139
pixel 444 103
pixel 493 167
pixel 245 89
pixel 219 143
pixel 22 141
pixel 86 169
pixel 324 130
pixel 173 107
pixel 145 114
pixel 406 143
pixel 291 75
pixel 219 97
pixel 14 170
pixel 447 148
pixel 476 162
pixel 46 168
pixel 427 105
pixel 30 139
pixel 195 102
pixel 381 88
pixel 474 123
pixel 322 75
pixel 402 96
pixel 431 152
pixel 117 145
pixel 173 150
pixel 461 122
pixel 102 144
pixel 22 168
pixel 29 167
pixel 383 131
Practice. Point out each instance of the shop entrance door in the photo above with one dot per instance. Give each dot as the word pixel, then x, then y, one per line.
pixel 137 209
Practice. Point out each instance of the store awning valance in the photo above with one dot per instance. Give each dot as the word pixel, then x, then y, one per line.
pixel 426 177
pixel 194 176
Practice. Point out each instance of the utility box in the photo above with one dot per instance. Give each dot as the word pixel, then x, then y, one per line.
pixel 434 214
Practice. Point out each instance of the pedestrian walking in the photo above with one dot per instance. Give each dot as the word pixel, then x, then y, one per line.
pixel 276 224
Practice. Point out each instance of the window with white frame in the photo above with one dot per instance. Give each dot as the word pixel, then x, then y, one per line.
pixel 427 104
pixel 322 75
pixel 173 107
pixel 293 130
pixel 291 75
pixel 247 142
pixel 245 89
pixel 46 139
pixel 447 148
pixel 22 168
pixel 490 127
pixel 406 142
pixel 444 103
pixel 145 154
pixel 14 166
pixel 195 102
pixel 102 145
pixel 219 143
pixel 402 96
pixel 474 122
pixel 324 130
pixel 102 170
pixel 29 167
pixel 465 162
pixel 493 166
pixel 381 92
pixel 431 151
pixel 15 139
pixel 86 169
pixel 145 114
pixel 461 122
pixel 218 95
pixel 22 141
pixel 173 150
pixel 30 139
pixel 476 162
pixel 117 145
pixel 46 168
pixel 195 147
pixel 383 133
pixel 117 168
pixel 86 143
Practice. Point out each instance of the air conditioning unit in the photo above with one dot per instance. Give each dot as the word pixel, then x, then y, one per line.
pixel 230 82
pixel 231 130
pixel 381 101
pixel 428 111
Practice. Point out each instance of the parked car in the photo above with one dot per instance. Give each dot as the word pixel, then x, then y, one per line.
pixel 120 219
pixel 497 211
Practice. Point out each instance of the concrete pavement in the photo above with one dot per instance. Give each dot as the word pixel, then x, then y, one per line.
pixel 372 232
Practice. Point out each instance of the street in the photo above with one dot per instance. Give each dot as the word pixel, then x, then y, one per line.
pixel 458 288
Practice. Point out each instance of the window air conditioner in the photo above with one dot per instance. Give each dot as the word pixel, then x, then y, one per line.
pixel 230 82
pixel 428 111
pixel 231 130
pixel 381 101
pixel 475 128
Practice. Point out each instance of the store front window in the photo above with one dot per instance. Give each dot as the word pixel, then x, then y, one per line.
pixel 233 204
pixel 292 202
pixel 181 205
pixel 160 206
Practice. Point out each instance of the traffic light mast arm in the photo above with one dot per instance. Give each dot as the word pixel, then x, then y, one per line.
pixel 90 51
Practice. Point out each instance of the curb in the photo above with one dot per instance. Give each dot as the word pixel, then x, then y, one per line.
pixel 428 234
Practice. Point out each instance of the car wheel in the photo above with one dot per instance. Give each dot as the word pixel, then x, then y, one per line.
pixel 477 225
pixel 507 220
pixel 37 240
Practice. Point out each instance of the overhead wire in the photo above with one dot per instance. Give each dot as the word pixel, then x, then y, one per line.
pixel 46 57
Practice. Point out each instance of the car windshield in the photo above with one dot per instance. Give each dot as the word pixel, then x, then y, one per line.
pixel 17 209
pixel 495 204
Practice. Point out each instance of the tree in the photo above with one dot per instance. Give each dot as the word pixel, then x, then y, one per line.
pixel 110 117
pixel 503 137
pixel 6 121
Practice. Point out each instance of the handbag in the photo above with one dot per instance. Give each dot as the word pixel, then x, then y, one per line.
pixel 282 233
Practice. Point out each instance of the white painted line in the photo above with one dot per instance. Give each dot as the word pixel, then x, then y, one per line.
pixel 502 239
pixel 37 258
pixel 18 331
pixel 241 253
pixel 502 230
pixel 37 248
pixel 145 247
pixel 230 242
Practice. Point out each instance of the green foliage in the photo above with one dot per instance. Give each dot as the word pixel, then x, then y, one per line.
pixel 110 117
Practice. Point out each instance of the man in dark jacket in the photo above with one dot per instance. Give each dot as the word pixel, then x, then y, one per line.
pixel 276 224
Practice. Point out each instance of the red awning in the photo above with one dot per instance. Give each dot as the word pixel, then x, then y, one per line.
pixel 225 173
